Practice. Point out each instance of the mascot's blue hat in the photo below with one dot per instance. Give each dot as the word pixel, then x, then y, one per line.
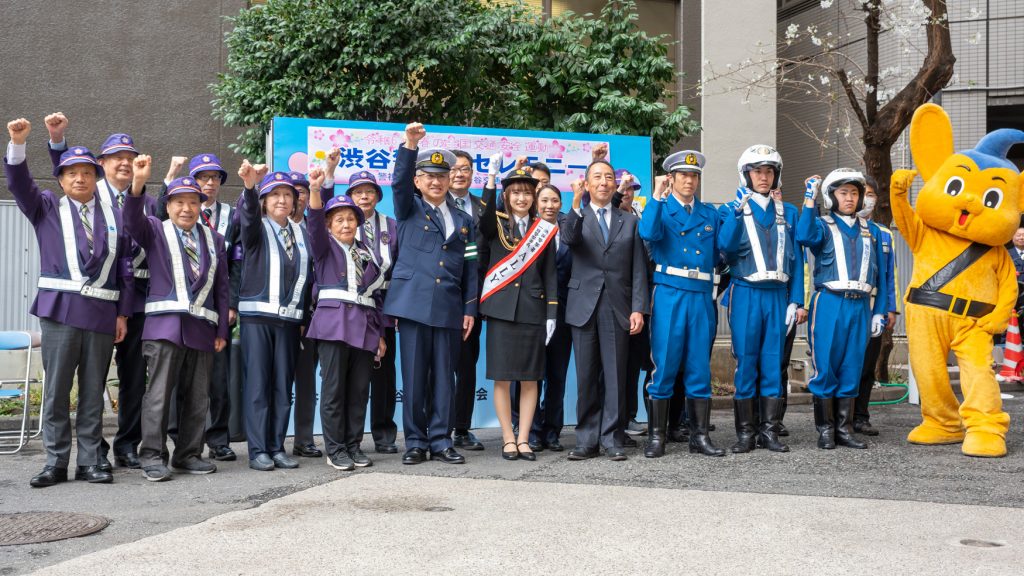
pixel 992 149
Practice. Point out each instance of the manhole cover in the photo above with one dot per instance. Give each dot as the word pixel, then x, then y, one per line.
pixel 975 543
pixel 36 527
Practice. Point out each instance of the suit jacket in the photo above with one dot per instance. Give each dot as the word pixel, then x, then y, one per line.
pixel 563 265
pixel 533 297
pixel 432 282
pixel 1018 262
pixel 618 269
pixel 477 206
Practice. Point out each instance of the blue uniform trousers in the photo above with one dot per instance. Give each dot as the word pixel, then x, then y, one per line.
pixel 838 333
pixel 429 356
pixel 682 333
pixel 269 353
pixel 757 317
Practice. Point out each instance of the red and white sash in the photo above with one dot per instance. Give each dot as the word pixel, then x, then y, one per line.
pixel 512 266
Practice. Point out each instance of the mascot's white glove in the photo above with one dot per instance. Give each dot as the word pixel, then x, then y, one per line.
pixel 494 165
pixel 877 325
pixel 743 195
pixel 551 331
pixel 790 317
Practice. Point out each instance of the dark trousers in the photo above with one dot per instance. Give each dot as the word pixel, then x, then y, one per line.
pixel 68 351
pixel 344 390
pixel 220 402
pixel 601 346
pixel 861 412
pixel 131 387
pixel 382 394
pixel 550 415
pixel 305 392
pixel 236 420
pixel 269 351
pixel 638 360
pixel 429 357
pixel 465 379
pixel 187 371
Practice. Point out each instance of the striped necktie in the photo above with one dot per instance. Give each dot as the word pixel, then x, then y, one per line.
pixel 358 265
pixel 208 217
pixel 83 212
pixel 189 242
pixel 120 201
pixel 368 232
pixel 286 239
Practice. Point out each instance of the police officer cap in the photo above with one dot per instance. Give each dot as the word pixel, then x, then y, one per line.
pixel 684 161
pixel 518 175
pixel 435 160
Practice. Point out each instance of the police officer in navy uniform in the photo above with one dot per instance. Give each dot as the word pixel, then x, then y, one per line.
pixel 433 294
pixel 83 303
pixel 681 233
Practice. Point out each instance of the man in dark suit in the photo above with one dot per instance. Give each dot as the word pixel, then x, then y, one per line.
pixel 465 375
pixel 608 296
pixel 435 304
pixel 1017 252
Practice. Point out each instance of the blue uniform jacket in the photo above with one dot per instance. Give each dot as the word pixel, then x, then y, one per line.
pixel 735 245
pixel 682 240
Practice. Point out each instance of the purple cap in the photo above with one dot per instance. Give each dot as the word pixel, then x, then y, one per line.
pixel 185 185
pixel 345 202
pixel 274 180
pixel 206 163
pixel 298 179
pixel 364 177
pixel 618 178
pixel 77 155
pixel 117 143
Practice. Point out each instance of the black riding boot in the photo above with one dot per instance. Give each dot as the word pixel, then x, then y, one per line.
pixel 657 428
pixel 824 423
pixel 746 434
pixel 771 420
pixel 698 412
pixel 844 421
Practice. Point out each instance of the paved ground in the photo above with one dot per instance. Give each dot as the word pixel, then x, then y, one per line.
pixel 876 497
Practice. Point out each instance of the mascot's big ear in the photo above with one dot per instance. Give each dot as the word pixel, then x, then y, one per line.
pixel 931 139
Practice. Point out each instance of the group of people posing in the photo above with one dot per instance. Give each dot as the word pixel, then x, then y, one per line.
pixel 318 278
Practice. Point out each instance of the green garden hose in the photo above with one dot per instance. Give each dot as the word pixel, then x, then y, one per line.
pixel 901 399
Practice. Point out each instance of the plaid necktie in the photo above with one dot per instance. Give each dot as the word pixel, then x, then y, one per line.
pixel 120 200
pixel 83 212
pixel 286 238
pixel 189 242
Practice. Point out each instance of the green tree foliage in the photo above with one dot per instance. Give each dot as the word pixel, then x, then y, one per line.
pixel 459 62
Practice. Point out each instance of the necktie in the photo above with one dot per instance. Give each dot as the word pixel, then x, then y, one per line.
pixel 461 203
pixel 208 216
pixel 83 211
pixel 522 228
pixel 368 232
pixel 189 243
pixel 689 209
pixel 286 239
pixel 601 222
pixel 120 200
pixel 440 221
pixel 358 265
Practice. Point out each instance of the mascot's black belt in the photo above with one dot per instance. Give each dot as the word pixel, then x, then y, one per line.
pixel 955 306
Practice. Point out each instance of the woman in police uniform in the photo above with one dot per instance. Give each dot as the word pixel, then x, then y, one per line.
pixel 519 300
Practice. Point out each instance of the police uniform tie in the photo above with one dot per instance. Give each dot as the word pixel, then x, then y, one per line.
pixel 689 209
pixel 83 212
pixel 602 224
pixel 440 221
pixel 189 243
pixel 286 239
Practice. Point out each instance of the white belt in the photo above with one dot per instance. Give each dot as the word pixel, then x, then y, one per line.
pixel 268 308
pixel 849 286
pixel 141 273
pixel 192 309
pixel 346 296
pixel 79 286
pixel 768 275
pixel 692 274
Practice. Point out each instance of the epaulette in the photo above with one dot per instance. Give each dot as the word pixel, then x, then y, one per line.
pixel 501 215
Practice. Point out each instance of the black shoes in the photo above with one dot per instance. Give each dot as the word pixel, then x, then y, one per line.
pixel 94 474
pixel 50 476
pixel 360 459
pixel 581 453
pixel 555 446
pixel 262 462
pixel 698 413
pixel 196 465
pixel 156 473
pixel 615 454
pixel 388 448
pixel 824 423
pixel 656 431
pixel 844 419
pixel 864 427
pixel 127 460
pixel 467 441
pixel 771 410
pixel 746 435
pixel 528 456
pixel 509 454
pixel 281 460
pixel 307 451
pixel 536 445
pixel 628 442
pixel 679 434
pixel 341 460
pixel 448 456
pixel 222 453
pixel 414 456
pixel 104 465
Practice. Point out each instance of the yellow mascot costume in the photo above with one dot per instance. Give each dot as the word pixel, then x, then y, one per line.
pixel 963 287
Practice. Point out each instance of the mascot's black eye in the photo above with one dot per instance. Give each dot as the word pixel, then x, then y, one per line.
pixel 954 186
pixel 993 198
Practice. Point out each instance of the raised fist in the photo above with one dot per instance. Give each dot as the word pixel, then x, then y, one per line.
pixel 19 130
pixel 142 167
pixel 901 181
pixel 599 152
pixel 261 171
pixel 627 182
pixel 248 174
pixel 414 132
pixel 56 124
pixel 577 188
pixel 812 187
pixel 521 161
pixel 661 187
pixel 333 159
pixel 494 165
pixel 316 179
pixel 178 161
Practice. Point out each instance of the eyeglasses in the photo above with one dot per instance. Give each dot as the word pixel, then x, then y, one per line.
pixel 462 170
pixel 207 177
pixel 434 175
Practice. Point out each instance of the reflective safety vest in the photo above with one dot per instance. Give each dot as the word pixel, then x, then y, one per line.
pixel 762 273
pixel 839 244
pixel 106 194
pixel 102 286
pixel 273 305
pixel 380 223
pixel 182 299
pixel 351 293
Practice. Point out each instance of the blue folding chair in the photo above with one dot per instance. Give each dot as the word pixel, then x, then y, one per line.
pixel 16 370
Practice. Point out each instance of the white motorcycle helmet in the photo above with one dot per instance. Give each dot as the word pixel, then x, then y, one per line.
pixel 837 178
pixel 759 155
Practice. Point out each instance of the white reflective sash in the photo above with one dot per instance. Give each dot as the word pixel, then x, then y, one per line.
pixel 137 262
pixel 182 303
pixel 844 284
pixel 223 219
pixel 762 274
pixel 108 195
pixel 691 273
pixel 381 227
pixel 513 265
pixel 273 303
pixel 352 295
pixel 76 283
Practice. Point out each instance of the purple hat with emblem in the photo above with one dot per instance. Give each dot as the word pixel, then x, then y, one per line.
pixel 206 163
pixel 299 179
pixel 364 177
pixel 186 185
pixel 275 180
pixel 345 202
pixel 117 143
pixel 77 155
pixel 618 178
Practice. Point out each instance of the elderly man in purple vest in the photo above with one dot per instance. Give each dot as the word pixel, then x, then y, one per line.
pixel 186 320
pixel 84 299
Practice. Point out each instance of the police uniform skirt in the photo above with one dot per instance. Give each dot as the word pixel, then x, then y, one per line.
pixel 515 351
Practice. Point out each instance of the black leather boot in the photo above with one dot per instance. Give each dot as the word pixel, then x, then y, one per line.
pixel 746 434
pixel 698 413
pixel 783 431
pixel 771 420
pixel 844 421
pixel 824 423
pixel 657 428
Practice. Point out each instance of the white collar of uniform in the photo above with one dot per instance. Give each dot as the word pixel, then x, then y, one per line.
pixel 78 205
pixel 684 204
pixel 761 199
pixel 454 195
pixel 849 220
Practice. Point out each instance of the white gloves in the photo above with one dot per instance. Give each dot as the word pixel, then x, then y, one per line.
pixel 551 331
pixel 813 189
pixel 494 165
pixel 743 195
pixel 877 325
pixel 790 317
